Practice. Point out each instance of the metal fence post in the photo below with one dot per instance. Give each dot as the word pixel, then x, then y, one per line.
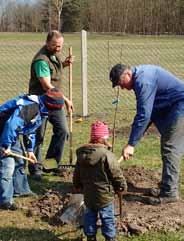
pixel 84 72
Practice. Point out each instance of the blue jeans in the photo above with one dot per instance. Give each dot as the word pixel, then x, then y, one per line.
pixel 13 179
pixel 106 215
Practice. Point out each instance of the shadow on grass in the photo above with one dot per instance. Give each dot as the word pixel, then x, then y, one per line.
pixel 16 234
pixel 50 182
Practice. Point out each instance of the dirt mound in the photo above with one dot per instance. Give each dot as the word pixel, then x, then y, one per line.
pixel 137 216
pixel 49 207
pixel 141 178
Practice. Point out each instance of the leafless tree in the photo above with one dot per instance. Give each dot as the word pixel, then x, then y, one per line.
pixel 58 4
pixel 126 16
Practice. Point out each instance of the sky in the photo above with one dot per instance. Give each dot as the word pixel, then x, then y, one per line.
pixel 4 2
pixel 26 1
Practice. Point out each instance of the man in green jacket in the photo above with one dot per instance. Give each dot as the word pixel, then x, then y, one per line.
pixel 46 71
pixel 97 174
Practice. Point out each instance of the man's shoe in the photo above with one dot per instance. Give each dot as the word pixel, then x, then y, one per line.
pixel 154 192
pixel 9 206
pixel 163 200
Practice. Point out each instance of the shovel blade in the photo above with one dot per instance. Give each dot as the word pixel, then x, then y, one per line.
pixel 70 215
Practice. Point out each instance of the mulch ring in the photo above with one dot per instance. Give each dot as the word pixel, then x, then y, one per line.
pixel 137 215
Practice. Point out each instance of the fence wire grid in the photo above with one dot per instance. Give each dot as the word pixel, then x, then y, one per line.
pixel 102 54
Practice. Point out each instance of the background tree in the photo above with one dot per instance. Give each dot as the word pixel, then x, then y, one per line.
pixel 70 16
pixel 125 16
pixel 57 5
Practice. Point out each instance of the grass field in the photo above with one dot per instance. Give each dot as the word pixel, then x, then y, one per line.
pixel 17 50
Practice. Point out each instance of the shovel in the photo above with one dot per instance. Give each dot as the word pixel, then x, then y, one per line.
pixel 74 212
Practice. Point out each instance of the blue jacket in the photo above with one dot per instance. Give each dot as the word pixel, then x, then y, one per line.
pixel 21 115
pixel 159 97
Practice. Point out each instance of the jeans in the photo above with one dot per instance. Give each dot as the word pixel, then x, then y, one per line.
pixel 172 150
pixel 106 215
pixel 60 134
pixel 13 179
pixel 20 180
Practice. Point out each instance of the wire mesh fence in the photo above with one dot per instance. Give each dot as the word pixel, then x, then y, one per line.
pixel 102 54
pixel 15 62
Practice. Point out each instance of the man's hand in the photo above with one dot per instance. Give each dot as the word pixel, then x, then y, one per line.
pixel 127 152
pixel 69 60
pixel 69 104
pixel 32 156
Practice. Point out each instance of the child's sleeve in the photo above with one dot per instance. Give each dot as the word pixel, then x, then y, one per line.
pixel 115 173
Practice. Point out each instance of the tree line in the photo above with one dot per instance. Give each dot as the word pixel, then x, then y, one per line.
pixel 125 16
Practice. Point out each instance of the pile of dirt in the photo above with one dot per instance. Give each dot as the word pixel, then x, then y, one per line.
pixel 137 216
pixel 140 178
pixel 49 207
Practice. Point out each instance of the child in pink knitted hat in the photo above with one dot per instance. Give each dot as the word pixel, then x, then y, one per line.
pixel 98 175
pixel 100 133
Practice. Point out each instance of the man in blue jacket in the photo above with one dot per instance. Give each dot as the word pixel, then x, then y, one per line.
pixel 160 100
pixel 21 116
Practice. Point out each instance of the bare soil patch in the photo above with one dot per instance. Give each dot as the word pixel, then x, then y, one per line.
pixel 138 216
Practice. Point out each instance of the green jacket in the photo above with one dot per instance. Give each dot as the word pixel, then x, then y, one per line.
pixel 98 174
pixel 55 66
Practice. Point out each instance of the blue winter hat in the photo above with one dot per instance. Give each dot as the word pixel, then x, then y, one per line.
pixel 54 99
pixel 115 73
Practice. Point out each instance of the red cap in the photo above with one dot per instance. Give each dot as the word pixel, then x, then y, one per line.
pixel 99 130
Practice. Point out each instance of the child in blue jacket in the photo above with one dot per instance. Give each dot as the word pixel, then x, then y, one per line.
pixel 21 116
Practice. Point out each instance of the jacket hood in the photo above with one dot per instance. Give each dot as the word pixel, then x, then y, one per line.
pixel 90 154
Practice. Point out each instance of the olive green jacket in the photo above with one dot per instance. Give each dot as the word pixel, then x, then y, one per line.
pixel 98 174
pixel 55 66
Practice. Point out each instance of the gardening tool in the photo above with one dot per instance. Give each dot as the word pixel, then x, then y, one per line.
pixel 11 153
pixel 70 114
pixel 119 194
pixel 115 102
pixel 56 170
pixel 120 160
pixel 74 212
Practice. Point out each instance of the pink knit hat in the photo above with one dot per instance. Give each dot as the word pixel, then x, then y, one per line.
pixel 99 130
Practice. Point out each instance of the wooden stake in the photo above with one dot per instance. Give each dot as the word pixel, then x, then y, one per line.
pixel 114 120
pixel 70 114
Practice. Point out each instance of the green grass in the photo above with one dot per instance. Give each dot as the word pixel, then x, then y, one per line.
pixel 17 50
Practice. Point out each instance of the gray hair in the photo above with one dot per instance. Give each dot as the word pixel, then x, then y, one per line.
pixel 53 34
